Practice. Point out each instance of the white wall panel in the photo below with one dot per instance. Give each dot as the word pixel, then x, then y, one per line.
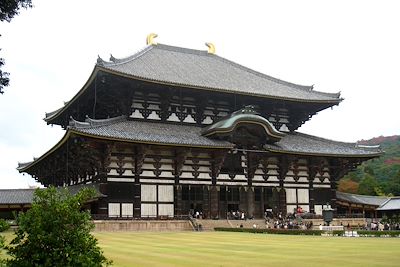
pixel 290 195
pixel 318 209
pixel 302 196
pixel 165 193
pixel 113 209
pixel 148 210
pixel 166 210
pixel 290 208
pixel 127 209
pixel 148 192
pixel 305 208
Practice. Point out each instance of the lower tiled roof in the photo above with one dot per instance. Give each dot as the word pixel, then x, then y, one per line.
pixel 391 204
pixel 16 196
pixel 147 132
pixel 299 143
pixel 361 199
pixel 25 196
pixel 184 135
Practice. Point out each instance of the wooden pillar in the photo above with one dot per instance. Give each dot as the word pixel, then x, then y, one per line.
pixel 214 202
pixel 262 204
pixel 206 202
pixel 250 202
pixel 178 200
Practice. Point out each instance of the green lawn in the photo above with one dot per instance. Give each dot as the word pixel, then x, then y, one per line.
pixel 245 249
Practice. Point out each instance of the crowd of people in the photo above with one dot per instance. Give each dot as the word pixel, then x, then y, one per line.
pixel 380 226
pixel 290 221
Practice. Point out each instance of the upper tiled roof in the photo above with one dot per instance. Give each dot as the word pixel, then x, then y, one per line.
pixel 199 69
pixel 299 143
pixel 361 199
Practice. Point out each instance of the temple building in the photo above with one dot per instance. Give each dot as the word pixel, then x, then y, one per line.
pixel 169 131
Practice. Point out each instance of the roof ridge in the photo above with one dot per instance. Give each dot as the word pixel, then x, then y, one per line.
pixel 118 61
pixel 115 62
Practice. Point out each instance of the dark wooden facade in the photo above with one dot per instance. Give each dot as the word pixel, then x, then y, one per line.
pixel 149 176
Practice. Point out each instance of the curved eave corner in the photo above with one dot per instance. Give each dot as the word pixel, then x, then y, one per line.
pixel 23 167
pixel 50 116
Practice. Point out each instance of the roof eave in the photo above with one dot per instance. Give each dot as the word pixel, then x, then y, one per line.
pixel 55 114
pixel 49 119
pixel 333 101
pixel 71 131
pixel 335 155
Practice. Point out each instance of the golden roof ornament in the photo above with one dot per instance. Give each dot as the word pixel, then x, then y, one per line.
pixel 211 48
pixel 150 39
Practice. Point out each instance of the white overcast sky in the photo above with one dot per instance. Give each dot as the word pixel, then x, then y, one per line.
pixel 347 46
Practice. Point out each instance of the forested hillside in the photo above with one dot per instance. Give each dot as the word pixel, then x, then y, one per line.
pixel 377 176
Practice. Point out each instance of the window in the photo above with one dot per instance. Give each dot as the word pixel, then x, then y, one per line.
pixel 229 194
pixel 257 194
pixel 114 209
pixel 127 209
pixel 194 193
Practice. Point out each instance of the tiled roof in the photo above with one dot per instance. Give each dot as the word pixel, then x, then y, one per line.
pixel 391 204
pixel 128 130
pixel 361 199
pixel 165 133
pixel 199 69
pixel 25 196
pixel 146 132
pixel 16 196
pixel 299 143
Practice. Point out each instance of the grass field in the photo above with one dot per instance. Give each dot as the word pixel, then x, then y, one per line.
pixel 245 249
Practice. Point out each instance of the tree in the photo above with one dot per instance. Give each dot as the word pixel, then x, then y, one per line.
pixel 348 186
pixel 9 9
pixel 368 185
pixel 56 232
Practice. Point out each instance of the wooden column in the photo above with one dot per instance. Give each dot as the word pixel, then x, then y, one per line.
pixel 283 167
pixel 214 202
pixel 178 200
pixel 250 202
pixel 312 172
pixel 140 154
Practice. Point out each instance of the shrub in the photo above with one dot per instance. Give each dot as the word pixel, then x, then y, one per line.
pixel 276 231
pixel 4 225
pixel 56 232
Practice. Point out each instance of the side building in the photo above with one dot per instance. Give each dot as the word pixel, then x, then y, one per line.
pixel 169 131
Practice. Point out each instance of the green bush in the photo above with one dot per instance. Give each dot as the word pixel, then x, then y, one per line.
pixel 56 232
pixel 276 231
pixel 307 232
pixel 379 233
pixel 4 225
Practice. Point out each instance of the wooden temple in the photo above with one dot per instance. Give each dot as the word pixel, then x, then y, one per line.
pixel 170 131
